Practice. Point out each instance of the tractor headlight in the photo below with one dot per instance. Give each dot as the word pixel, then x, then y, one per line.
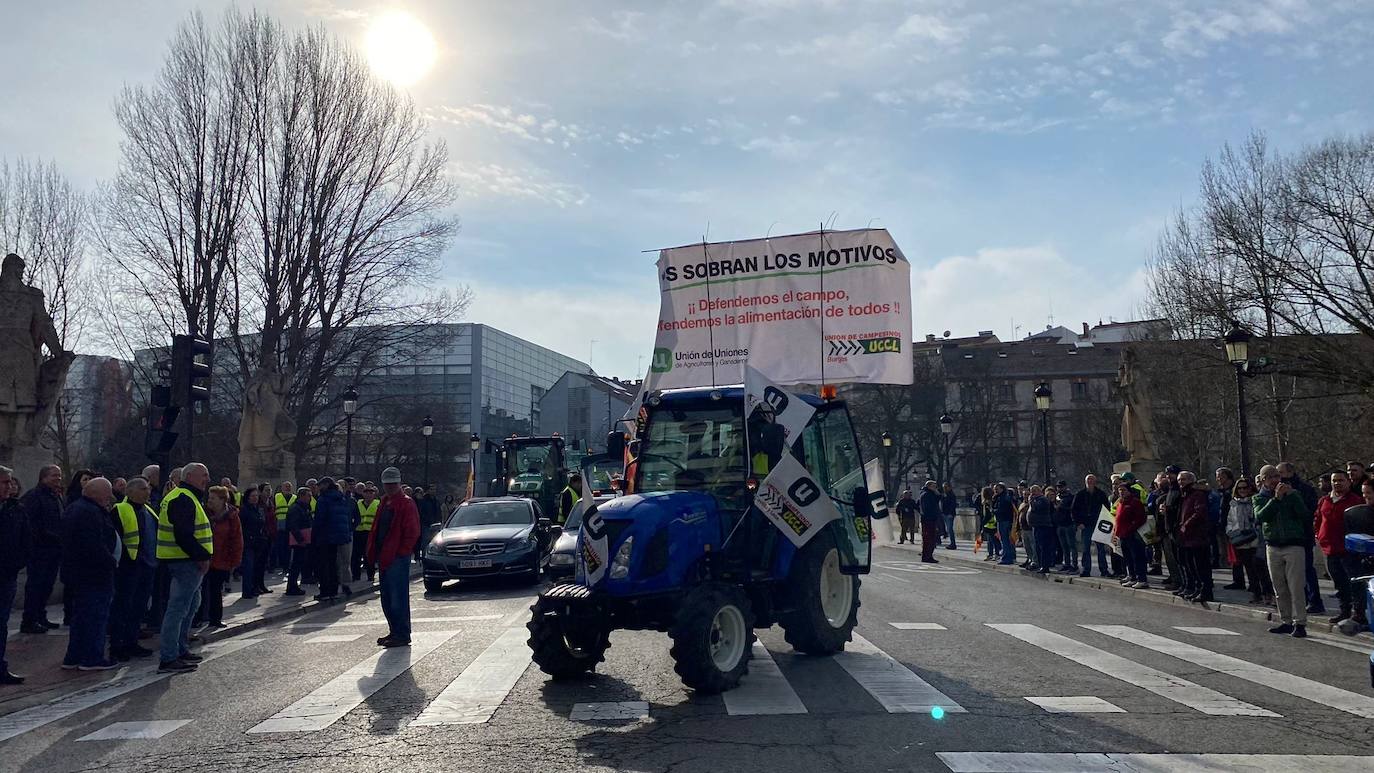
pixel 620 565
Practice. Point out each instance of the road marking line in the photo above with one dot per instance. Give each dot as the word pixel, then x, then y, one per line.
pixel 474 696
pixel 1077 704
pixel 136 731
pixel 602 712
pixel 20 722
pixel 1297 686
pixel 1203 630
pixel 918 626
pixel 892 684
pixel 330 638
pixel 1008 762
pixel 1164 685
pixel 1349 645
pixel 382 621
pixel 329 702
pixel 764 690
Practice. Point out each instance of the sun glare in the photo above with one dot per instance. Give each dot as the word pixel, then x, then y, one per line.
pixel 400 48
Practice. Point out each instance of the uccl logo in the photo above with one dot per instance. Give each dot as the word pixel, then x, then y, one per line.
pixel 663 361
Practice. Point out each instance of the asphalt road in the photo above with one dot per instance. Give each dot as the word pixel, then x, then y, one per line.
pixel 314 694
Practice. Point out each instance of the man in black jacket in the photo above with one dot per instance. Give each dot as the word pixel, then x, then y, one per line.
pixel 931 517
pixel 43 503
pixel 1170 519
pixel 1087 506
pixel 89 548
pixel 1064 530
pixel 14 553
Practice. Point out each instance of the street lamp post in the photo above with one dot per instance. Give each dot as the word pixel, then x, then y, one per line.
pixel 1238 353
pixel 1043 397
pixel 474 443
pixel 887 449
pixel 427 429
pixel 350 407
pixel 946 434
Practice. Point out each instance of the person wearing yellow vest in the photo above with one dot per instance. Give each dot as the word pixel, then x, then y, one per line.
pixel 362 526
pixel 184 545
pixel 137 566
pixel 281 547
pixel 570 497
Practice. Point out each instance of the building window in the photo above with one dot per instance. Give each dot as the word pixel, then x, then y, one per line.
pixel 1005 393
pixel 1080 390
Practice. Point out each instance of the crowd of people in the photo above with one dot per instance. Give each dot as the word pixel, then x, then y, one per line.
pixel 1177 528
pixel 140 557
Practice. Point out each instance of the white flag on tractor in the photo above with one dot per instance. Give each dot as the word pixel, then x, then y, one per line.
pixel 594 548
pixel 789 411
pixel 794 501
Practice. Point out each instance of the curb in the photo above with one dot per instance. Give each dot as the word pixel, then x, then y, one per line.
pixel 1156 596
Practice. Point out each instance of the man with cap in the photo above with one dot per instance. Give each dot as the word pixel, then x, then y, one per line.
pixel 931 518
pixel 1170 518
pixel 389 548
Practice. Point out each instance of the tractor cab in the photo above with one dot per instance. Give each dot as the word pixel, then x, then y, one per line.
pixel 534 468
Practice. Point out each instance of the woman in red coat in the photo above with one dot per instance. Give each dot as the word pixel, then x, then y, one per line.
pixel 227 533
pixel 1130 516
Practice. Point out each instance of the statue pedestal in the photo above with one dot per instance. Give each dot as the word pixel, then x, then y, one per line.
pixel 28 460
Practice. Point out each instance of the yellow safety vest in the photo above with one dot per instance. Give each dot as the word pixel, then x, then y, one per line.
pixel 368 512
pixel 760 463
pixel 167 547
pixel 575 499
pixel 283 504
pixel 128 522
pixel 313 501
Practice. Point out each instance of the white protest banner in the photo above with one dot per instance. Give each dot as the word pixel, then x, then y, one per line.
pixel 594 548
pixel 789 411
pixel 820 307
pixel 794 501
pixel 1102 531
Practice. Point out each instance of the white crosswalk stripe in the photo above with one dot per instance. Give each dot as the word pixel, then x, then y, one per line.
pixel 890 683
pixel 1164 685
pixel 764 690
pixel 1033 762
pixel 20 722
pixel 1301 687
pixel 331 701
pixel 479 690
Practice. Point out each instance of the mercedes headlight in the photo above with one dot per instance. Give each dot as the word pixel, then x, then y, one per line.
pixel 620 565
pixel 561 559
pixel 435 548
pixel 522 543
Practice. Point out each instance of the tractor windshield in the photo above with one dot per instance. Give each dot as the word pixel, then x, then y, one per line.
pixel 694 449
pixel 529 467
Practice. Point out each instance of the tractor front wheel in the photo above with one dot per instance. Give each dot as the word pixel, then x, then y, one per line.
pixel 560 649
pixel 824 600
pixel 713 635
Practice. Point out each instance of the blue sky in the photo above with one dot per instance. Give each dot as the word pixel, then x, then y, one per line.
pixel 1024 155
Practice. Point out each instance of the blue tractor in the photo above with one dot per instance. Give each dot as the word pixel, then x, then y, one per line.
pixel 690 555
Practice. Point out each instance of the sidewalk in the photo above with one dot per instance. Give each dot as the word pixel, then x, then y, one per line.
pixel 1229 602
pixel 38 657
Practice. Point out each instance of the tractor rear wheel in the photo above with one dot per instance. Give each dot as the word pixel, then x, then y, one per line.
pixel 562 650
pixel 713 636
pixel 824 601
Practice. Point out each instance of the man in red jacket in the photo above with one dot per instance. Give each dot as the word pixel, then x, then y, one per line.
pixel 389 548
pixel 1194 540
pixel 1329 524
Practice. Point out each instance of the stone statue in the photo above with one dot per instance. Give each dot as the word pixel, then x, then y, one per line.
pixel 31 381
pixel 266 432
pixel 1137 423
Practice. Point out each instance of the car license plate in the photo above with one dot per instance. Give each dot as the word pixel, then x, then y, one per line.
pixel 475 563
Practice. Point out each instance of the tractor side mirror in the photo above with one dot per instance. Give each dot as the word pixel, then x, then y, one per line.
pixel 544 524
pixel 436 527
pixel 863 504
pixel 634 448
pixel 555 531
pixel 615 444
pixel 774 440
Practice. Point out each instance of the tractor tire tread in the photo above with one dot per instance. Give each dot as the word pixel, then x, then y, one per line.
pixel 692 661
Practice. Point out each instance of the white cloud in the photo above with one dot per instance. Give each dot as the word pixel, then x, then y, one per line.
pixel 998 285
pixel 782 146
pixel 1193 32
pixel 496 181
pixel 932 28
pixel 1044 51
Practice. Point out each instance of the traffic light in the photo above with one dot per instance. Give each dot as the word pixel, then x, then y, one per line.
pixel 190 370
pixel 162 416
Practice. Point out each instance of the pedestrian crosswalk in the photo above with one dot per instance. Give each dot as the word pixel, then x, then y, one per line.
pixel 473 673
